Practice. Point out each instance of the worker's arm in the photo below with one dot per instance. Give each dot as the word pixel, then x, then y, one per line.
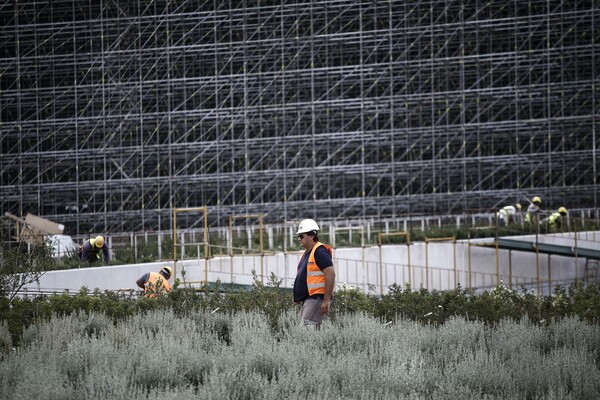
pixel 141 282
pixel 105 252
pixel 329 285
pixel 85 252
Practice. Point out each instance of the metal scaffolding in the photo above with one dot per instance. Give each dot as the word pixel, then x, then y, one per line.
pixel 114 112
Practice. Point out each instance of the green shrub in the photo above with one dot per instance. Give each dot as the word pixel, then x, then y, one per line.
pixel 435 307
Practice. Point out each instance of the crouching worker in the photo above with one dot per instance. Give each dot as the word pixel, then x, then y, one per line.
pixel 508 215
pixel 557 219
pixel 90 251
pixel 155 284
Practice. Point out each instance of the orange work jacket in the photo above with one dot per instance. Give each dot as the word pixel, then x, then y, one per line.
pixel 156 284
pixel 315 278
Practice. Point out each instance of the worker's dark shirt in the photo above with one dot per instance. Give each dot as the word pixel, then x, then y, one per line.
pixel 143 279
pixel 90 253
pixel 323 260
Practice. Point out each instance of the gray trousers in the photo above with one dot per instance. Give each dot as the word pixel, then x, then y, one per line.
pixel 310 315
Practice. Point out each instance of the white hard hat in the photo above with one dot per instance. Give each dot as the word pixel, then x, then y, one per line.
pixel 307 225
pixel 167 270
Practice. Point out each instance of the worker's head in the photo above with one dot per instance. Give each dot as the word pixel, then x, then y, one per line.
pixel 562 211
pixel 166 271
pixel 307 227
pixel 518 206
pixel 99 241
pixel 536 200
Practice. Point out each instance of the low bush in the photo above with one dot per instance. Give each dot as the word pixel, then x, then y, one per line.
pixel 160 354
pixel 435 307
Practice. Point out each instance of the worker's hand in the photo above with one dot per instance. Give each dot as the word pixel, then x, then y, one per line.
pixel 325 307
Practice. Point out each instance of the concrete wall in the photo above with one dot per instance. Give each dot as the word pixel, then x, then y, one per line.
pixel 433 265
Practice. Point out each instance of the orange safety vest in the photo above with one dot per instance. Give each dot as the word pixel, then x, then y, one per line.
pixel 151 287
pixel 315 278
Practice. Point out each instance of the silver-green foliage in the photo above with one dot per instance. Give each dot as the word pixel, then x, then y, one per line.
pixel 239 356
pixel 5 339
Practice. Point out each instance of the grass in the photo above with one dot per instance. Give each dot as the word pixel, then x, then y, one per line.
pixel 205 354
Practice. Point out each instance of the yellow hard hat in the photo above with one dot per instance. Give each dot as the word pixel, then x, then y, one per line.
pixel 99 241
pixel 562 211
pixel 167 271
pixel 536 199
pixel 518 206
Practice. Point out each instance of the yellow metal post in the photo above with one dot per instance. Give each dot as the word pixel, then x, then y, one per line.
pixel 206 247
pixel 408 257
pixel 469 252
pixel 575 249
pixel 362 243
pixel 510 269
pixel 549 276
pixel 380 263
pixel 454 261
pixel 262 252
pixel 497 264
pixel 206 244
pixel 537 267
pixel 174 243
pixel 231 247
pixel 402 234
pixel 426 264
pixel 444 239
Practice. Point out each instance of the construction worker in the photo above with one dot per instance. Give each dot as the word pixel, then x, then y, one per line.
pixel 315 276
pixel 90 251
pixel 507 215
pixel 155 284
pixel 533 210
pixel 556 219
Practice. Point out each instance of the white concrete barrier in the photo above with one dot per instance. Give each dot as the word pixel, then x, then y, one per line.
pixel 434 265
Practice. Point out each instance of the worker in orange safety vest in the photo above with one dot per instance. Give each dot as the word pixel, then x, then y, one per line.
pixel 155 284
pixel 315 276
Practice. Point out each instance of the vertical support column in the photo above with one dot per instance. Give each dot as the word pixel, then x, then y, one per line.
pixel 537 267
pixel 379 239
pixel 510 269
pixel 174 243
pixel 550 276
pixel 469 253
pixel 206 244
pixel 454 264
pixel 249 234
pixel 497 263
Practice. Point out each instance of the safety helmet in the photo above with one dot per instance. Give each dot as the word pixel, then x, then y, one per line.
pixel 536 200
pixel 562 211
pixel 99 241
pixel 166 271
pixel 307 225
pixel 518 206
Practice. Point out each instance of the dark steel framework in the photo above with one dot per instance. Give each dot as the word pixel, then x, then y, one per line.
pixel 113 112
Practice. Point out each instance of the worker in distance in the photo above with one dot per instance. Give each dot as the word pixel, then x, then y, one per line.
pixel 91 249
